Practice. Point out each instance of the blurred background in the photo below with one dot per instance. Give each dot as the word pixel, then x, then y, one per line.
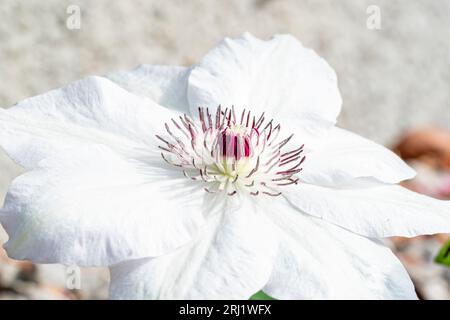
pixel 392 61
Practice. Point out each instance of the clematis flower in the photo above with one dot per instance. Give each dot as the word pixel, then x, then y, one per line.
pixel 214 181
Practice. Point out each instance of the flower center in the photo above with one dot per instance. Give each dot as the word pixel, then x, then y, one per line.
pixel 231 155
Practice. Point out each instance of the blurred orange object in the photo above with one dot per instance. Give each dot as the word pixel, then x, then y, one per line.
pixel 429 145
pixel 427 150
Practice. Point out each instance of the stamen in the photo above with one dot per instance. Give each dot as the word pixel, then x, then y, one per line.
pixel 272 194
pixel 254 169
pixel 231 155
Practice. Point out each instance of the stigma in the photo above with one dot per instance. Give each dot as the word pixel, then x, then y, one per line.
pixel 232 154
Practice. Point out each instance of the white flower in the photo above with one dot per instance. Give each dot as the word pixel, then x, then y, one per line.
pixel 208 205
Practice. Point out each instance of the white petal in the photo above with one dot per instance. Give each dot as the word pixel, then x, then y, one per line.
pixel 232 259
pixel 96 190
pixel 343 158
pixel 318 260
pixel 166 85
pixel 93 110
pixel 88 206
pixel 279 76
pixel 381 211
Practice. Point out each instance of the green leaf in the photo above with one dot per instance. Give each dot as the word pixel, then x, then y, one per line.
pixel 444 255
pixel 261 296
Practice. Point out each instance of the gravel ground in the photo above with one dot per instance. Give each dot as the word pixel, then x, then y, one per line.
pixel 391 79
